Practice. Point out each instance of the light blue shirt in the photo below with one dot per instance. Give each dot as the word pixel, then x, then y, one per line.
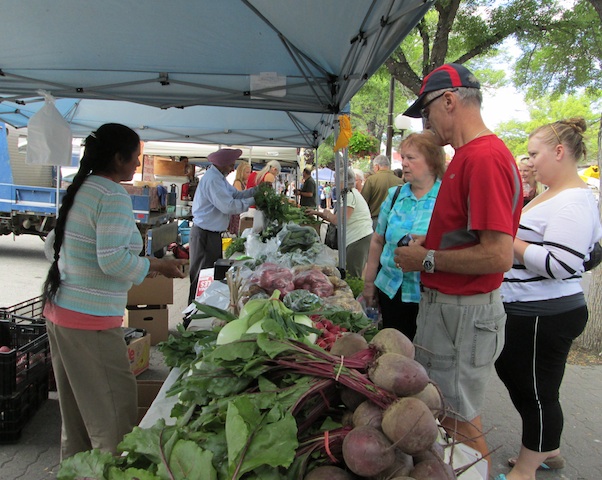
pixel 408 215
pixel 215 200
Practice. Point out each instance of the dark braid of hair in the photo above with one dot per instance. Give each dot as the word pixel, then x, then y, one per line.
pixel 100 149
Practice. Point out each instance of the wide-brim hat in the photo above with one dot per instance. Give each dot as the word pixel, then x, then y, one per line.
pixel 224 156
pixel 450 75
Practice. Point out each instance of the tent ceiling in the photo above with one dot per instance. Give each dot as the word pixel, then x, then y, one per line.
pixel 287 55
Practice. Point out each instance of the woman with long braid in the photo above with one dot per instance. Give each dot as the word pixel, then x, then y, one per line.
pixel 96 248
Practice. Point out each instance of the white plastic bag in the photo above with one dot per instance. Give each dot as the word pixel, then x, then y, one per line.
pixel 48 136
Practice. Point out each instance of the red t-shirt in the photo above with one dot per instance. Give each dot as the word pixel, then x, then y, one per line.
pixel 481 190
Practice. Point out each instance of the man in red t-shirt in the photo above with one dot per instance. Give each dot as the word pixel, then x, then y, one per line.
pixel 466 251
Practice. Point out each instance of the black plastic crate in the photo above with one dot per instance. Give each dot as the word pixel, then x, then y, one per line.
pixel 17 409
pixel 31 309
pixel 28 350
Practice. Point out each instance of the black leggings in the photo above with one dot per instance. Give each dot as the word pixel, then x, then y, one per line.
pixel 397 314
pixel 532 366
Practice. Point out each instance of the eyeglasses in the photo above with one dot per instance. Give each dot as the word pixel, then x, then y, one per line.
pixel 423 110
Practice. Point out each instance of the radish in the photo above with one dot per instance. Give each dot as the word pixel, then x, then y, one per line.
pixel 367 452
pixel 410 425
pixel 328 472
pixel 399 374
pixel 390 340
pixel 367 413
pixel 349 344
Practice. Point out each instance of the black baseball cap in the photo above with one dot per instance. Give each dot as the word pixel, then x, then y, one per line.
pixel 450 75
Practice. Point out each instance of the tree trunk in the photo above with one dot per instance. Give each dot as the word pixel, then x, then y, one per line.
pixel 591 338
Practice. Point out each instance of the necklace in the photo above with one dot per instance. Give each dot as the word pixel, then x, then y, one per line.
pixel 479 134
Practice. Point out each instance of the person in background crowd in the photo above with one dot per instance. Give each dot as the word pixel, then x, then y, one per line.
pixel 240 183
pixel 95 260
pixel 531 187
pixel 214 202
pixel 397 292
pixel 358 228
pixel 359 179
pixel 398 172
pixel 376 186
pixel 467 249
pixel 542 292
pixel 322 195
pixel 269 173
pixel 307 192
pixel 327 194
pixel 333 196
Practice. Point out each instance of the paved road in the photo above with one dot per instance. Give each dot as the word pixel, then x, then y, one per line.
pixel 35 456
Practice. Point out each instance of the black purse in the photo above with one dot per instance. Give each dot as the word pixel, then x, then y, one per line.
pixel 595 257
pixel 332 238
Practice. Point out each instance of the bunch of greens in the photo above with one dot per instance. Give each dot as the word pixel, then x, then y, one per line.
pixel 237 245
pixel 277 208
pixel 259 408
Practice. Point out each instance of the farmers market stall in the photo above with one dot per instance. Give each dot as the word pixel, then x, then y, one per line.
pixel 281 375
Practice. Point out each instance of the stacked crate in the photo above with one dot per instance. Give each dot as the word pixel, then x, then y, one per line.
pixel 25 366
pixel 147 307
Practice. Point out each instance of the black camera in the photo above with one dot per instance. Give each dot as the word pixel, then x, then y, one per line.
pixel 405 240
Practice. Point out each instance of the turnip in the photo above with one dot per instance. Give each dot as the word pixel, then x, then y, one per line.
pixel 432 396
pixel 410 425
pixel 434 469
pixel 399 374
pixel 367 413
pixel 349 344
pixel 328 472
pixel 390 340
pixel 367 452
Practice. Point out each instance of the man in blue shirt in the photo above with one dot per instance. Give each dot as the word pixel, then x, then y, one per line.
pixel 215 200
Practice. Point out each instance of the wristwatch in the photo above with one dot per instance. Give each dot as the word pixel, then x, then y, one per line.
pixel 429 262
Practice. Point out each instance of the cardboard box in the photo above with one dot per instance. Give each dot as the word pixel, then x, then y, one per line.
pixel 245 222
pixel 147 392
pixel 152 291
pixel 154 319
pixel 139 354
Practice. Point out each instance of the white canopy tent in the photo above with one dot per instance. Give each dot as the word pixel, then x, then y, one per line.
pixel 285 69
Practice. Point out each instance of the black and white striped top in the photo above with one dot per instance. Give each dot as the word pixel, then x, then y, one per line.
pixel 561 232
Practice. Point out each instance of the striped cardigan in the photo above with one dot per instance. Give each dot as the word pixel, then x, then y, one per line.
pixel 99 259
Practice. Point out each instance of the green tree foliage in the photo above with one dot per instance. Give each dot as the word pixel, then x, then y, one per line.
pixel 550 109
pixel 565 57
pixel 468 31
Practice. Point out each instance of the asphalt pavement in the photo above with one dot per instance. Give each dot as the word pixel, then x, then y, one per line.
pixel 35 456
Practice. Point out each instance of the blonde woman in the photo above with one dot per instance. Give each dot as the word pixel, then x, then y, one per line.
pixel 240 183
pixel 242 175
pixel 531 187
pixel 542 293
pixel 269 172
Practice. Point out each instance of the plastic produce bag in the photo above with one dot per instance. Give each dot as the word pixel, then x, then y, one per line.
pixel 49 139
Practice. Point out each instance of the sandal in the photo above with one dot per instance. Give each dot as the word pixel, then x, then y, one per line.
pixel 552 463
pixel 501 476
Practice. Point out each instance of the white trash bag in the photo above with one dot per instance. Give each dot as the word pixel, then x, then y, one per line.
pixel 49 139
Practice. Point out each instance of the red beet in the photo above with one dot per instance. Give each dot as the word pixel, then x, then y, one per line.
pixel 367 452
pixel 390 340
pixel 398 374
